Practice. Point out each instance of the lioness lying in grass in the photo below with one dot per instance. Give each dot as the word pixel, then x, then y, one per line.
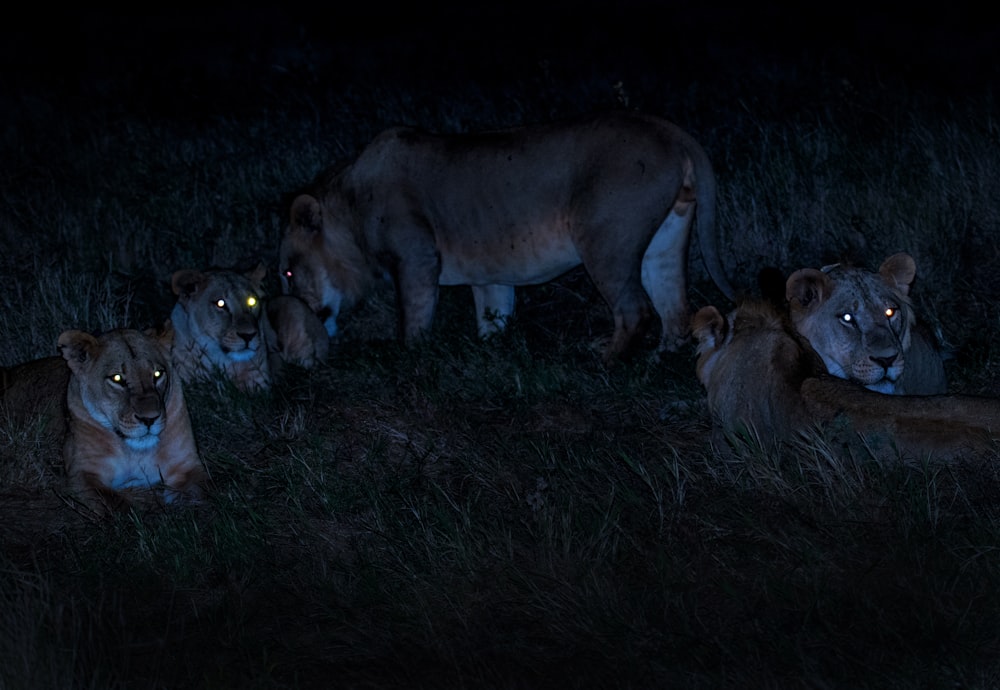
pixel 764 378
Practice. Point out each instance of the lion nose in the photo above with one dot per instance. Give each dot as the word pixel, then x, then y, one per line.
pixel 148 421
pixel 248 336
pixel 884 362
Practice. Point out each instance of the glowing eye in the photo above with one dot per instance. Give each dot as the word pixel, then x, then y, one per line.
pixel 288 274
pixel 890 312
pixel 847 318
pixel 117 378
pixel 221 303
pixel 157 373
pixel 251 301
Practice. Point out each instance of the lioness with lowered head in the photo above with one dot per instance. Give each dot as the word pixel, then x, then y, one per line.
pixel 115 402
pixel 617 193
pixel 762 376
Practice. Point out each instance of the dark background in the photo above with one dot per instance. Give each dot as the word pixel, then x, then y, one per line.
pixel 222 57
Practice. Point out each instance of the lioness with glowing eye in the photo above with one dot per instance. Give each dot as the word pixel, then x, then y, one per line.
pixel 863 326
pixel 217 318
pixel 121 413
pixel 616 192
pixel 762 377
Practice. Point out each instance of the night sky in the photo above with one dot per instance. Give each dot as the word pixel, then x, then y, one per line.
pixel 169 55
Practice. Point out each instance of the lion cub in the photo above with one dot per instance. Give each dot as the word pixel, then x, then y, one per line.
pixel 294 334
pixel 217 319
pixel 121 412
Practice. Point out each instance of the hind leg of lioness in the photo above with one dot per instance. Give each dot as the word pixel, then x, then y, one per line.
pixel 494 305
pixel 664 278
pixel 632 314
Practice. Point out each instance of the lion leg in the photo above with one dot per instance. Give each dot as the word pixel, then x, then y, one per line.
pixel 664 278
pixel 416 297
pixel 494 305
pixel 632 314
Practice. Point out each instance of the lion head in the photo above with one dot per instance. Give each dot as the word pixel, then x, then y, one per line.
pixel 122 381
pixel 217 319
pixel 862 324
pixel 128 422
pixel 321 262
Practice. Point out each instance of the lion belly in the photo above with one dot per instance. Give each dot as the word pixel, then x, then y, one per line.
pixel 526 257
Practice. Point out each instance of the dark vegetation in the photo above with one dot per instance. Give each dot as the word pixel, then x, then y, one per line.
pixel 506 514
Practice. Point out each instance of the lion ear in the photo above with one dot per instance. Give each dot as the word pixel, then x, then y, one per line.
pixel 807 288
pixel 186 282
pixel 708 328
pixel 899 270
pixel 76 347
pixel 256 274
pixel 165 334
pixel 307 213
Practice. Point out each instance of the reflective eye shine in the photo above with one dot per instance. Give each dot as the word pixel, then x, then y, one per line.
pixel 890 312
pixel 251 301
pixel 220 303
pixel 847 318
pixel 117 378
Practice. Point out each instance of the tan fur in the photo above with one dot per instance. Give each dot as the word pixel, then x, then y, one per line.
pixel 119 411
pixel 217 319
pixel 842 311
pixel 294 334
pixel 616 193
pixel 761 375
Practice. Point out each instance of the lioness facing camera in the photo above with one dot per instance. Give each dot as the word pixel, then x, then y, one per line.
pixel 115 402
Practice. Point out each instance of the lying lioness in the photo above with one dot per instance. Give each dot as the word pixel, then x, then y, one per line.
pixel 762 375
pixel 616 193
pixel 115 401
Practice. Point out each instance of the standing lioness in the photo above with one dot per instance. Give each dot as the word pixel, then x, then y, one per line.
pixel 494 210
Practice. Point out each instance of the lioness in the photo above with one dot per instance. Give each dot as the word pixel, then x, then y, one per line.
pixel 863 326
pixel 760 374
pixel 494 210
pixel 217 319
pixel 121 413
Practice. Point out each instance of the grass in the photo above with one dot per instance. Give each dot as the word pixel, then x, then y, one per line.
pixel 510 513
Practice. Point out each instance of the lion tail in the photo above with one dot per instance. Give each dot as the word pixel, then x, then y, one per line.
pixel 705 217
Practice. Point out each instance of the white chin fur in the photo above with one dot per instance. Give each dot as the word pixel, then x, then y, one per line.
pixel 142 442
pixel 883 386
pixel 241 355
